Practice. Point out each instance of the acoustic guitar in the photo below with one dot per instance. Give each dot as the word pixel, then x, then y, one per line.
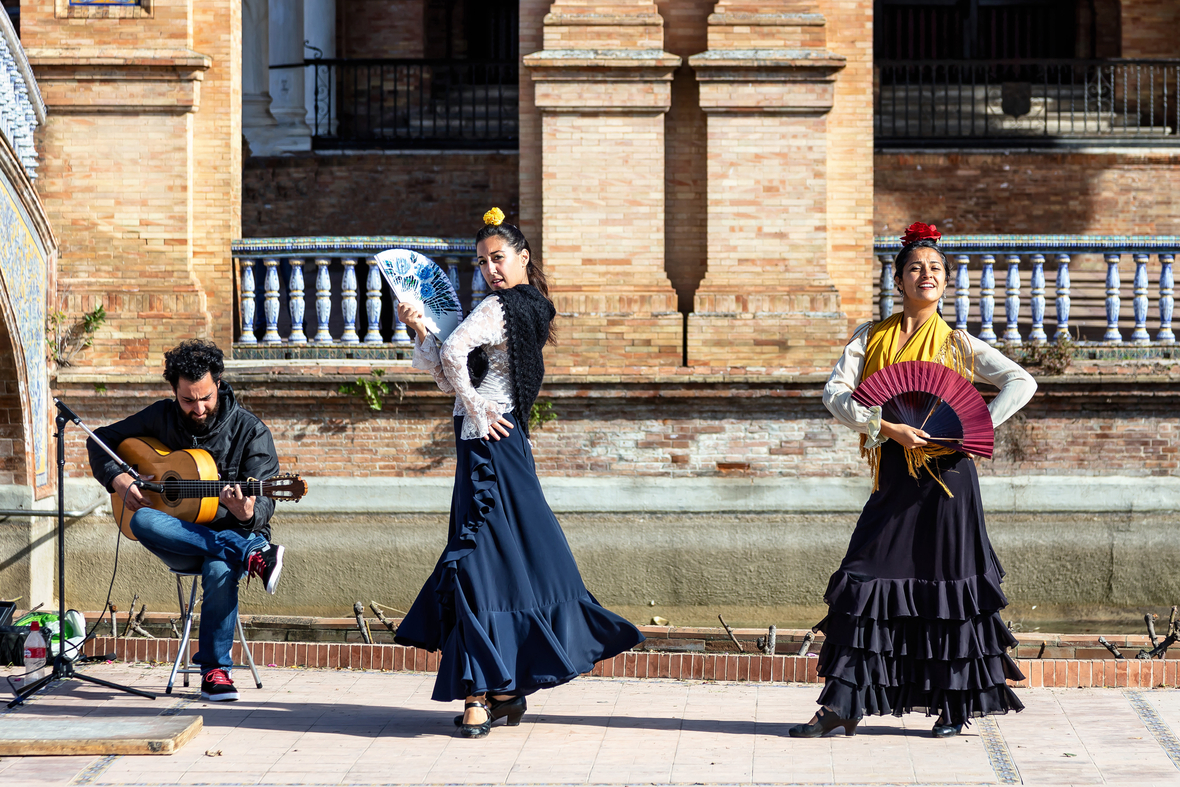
pixel 191 485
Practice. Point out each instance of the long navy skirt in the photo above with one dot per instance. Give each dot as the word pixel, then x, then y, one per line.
pixel 913 611
pixel 506 604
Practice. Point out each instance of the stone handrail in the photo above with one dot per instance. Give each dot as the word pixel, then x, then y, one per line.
pixel 279 265
pixel 966 252
pixel 21 106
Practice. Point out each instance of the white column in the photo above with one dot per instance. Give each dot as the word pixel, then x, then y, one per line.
pixel 287 84
pixel 319 31
pixel 257 123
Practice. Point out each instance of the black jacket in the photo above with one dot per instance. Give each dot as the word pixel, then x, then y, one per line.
pixel 238 441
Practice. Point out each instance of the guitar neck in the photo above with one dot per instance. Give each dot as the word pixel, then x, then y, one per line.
pixel 178 488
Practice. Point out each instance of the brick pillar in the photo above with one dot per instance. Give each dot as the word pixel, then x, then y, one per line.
pixel 767 82
pixel 602 86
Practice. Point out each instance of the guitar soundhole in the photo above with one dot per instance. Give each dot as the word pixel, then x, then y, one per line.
pixel 171 489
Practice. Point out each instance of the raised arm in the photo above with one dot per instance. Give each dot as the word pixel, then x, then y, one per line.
pixel 483 327
pixel 839 388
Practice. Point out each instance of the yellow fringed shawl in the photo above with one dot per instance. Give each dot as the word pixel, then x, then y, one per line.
pixel 933 341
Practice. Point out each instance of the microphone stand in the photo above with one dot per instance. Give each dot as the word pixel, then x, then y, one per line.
pixel 63 667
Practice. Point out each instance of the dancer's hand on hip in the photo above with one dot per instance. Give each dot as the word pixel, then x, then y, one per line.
pixel 499 429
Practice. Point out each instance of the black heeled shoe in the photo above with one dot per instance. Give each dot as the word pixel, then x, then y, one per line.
pixel 477 730
pixel 825 722
pixel 944 730
pixel 513 708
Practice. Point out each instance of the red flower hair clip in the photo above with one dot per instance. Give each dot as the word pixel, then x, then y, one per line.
pixel 919 231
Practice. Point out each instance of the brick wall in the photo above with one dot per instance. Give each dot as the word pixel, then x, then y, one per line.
pixel 1149 28
pixel 1120 192
pixel 381 28
pixel 440 194
pixel 141 168
pixel 756 426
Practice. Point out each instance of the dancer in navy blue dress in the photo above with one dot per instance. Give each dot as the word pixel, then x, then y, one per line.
pixel 505 604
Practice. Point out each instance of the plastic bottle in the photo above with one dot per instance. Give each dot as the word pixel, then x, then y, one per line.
pixel 35 652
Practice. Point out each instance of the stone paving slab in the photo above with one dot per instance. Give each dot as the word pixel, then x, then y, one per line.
pixel 353 727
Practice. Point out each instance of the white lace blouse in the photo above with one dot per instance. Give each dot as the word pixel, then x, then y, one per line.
pixel 480 407
pixel 1016 385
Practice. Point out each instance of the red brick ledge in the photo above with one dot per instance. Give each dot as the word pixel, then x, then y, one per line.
pixel 1042 673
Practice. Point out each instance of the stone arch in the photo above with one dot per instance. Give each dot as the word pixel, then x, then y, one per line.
pixel 28 254
pixel 17 466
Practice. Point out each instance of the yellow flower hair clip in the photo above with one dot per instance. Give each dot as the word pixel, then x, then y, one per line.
pixel 494 217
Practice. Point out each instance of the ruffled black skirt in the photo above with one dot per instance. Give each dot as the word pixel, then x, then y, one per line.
pixel 505 603
pixel 913 612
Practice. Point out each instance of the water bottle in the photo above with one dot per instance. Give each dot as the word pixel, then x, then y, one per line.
pixel 35 651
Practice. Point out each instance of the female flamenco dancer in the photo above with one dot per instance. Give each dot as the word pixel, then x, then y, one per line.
pixel 913 611
pixel 505 604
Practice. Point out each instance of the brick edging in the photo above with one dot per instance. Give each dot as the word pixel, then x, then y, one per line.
pixel 1042 673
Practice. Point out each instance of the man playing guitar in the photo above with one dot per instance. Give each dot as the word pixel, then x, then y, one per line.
pixel 203 415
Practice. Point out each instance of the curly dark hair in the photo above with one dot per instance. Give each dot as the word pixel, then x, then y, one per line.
pixel 192 360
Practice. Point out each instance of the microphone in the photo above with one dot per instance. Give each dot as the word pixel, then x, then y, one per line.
pixel 148 485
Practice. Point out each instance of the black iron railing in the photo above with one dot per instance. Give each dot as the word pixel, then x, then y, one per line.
pixel 1120 102
pixel 392 104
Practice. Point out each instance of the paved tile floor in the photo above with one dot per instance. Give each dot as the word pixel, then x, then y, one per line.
pixel 313 727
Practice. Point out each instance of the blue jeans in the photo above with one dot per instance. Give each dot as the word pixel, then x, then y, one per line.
pixel 220 557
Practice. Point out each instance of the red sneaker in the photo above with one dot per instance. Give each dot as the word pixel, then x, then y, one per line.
pixel 217 687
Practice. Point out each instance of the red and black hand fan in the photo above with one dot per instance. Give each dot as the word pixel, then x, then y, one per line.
pixel 934 398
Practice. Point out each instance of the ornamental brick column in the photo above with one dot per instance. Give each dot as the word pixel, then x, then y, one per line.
pixel 767 82
pixel 602 84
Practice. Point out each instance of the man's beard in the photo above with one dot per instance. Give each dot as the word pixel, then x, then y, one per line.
pixel 200 428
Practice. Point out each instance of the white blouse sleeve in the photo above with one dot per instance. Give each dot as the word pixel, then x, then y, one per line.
pixel 484 326
pixel 844 379
pixel 1016 385
pixel 426 357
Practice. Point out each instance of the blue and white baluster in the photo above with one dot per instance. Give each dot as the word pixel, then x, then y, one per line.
pixel 479 287
pixel 323 301
pixel 885 298
pixel 1062 333
pixel 1012 300
pixel 401 337
pixel 987 299
pixel 1036 334
pixel 295 303
pixel 1139 304
pixel 452 266
pixel 962 292
pixel 1165 336
pixel 348 302
pixel 248 293
pixel 270 304
pixel 373 303
pixel 1112 334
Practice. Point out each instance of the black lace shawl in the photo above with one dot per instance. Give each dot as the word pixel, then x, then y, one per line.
pixel 527 315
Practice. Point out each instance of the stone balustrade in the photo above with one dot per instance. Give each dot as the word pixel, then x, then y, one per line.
pixel 326 297
pixel 1020 261
pixel 21 106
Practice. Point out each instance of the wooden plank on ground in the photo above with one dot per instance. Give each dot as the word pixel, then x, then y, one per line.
pixel 61 736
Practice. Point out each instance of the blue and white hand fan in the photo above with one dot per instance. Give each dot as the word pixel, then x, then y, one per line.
pixel 416 279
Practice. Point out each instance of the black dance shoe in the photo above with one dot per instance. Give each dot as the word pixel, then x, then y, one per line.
pixel 477 730
pixel 513 708
pixel 944 730
pixel 825 722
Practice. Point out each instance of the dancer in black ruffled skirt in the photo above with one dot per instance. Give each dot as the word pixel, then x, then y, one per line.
pixel 505 603
pixel 913 618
